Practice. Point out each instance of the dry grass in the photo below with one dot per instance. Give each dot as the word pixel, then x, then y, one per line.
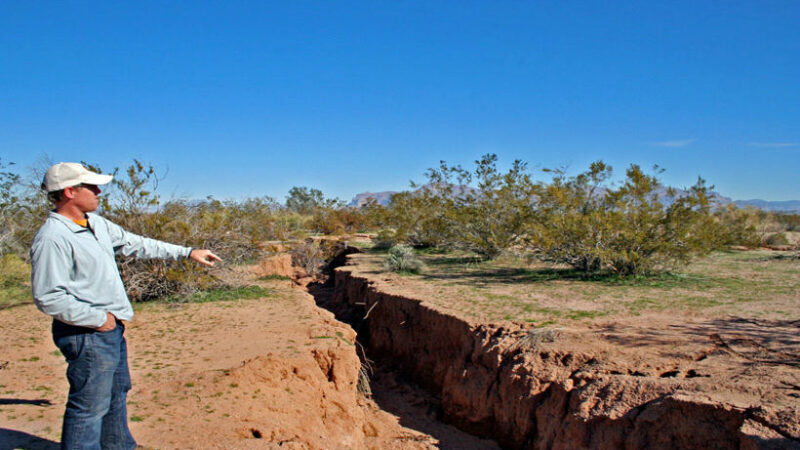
pixel 15 275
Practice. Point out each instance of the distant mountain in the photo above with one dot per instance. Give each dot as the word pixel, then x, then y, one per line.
pixel 381 197
pixel 385 197
pixel 788 206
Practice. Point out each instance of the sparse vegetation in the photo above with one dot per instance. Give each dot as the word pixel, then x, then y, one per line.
pixel 225 293
pixel 402 258
pixel 310 256
pixel 582 221
pixel 14 278
pixel 512 287
pixel 272 277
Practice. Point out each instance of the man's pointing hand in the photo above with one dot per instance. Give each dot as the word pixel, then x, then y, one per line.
pixel 205 257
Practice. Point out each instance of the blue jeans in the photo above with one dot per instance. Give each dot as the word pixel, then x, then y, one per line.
pixel 96 416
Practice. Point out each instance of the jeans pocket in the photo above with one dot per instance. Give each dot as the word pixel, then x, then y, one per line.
pixel 71 345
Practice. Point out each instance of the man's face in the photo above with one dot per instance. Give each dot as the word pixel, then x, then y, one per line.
pixel 84 196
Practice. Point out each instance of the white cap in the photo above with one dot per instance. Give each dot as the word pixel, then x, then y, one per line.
pixel 64 175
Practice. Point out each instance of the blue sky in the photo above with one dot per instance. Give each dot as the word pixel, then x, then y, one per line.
pixel 236 99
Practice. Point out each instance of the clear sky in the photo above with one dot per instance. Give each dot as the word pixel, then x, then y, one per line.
pixel 239 99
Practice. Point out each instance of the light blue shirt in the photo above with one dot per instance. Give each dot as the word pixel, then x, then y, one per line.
pixel 74 276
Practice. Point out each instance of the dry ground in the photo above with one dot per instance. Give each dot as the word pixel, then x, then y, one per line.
pixel 759 284
pixel 279 371
pixel 260 373
pixel 727 329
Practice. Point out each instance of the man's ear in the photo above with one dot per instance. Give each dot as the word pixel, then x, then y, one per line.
pixel 69 192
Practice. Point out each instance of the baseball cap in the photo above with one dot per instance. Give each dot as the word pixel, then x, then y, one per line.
pixel 64 175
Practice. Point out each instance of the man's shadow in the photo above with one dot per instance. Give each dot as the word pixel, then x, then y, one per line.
pixel 13 439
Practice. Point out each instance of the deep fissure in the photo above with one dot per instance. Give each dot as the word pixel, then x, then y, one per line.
pixel 499 382
pixel 420 408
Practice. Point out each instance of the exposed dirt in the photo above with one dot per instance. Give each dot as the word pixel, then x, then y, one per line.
pixel 276 372
pixel 279 372
pixel 657 380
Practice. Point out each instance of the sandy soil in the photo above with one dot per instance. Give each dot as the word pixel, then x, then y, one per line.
pixel 264 373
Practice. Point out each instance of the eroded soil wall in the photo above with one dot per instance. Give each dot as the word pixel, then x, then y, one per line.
pixel 516 386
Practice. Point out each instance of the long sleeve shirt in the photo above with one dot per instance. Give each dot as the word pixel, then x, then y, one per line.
pixel 74 276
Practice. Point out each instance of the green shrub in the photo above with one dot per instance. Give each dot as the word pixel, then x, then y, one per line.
pixel 402 259
pixel 738 226
pixel 448 211
pixel 491 216
pixel 419 218
pixel 629 230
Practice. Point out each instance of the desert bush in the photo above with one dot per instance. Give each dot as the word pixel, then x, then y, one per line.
pixel 788 222
pixel 9 201
pixel 286 225
pixel 402 258
pixel 650 236
pixel 419 217
pixel 384 239
pixel 738 226
pixel 337 220
pixel 232 229
pixel 23 208
pixel 309 255
pixel 314 255
pixel 490 217
pixel 448 211
pixel 374 215
pixel 581 220
pixel 303 200
pixel 572 223
pixel 776 239
pixel 628 229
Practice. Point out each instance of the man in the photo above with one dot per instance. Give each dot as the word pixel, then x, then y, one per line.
pixel 75 280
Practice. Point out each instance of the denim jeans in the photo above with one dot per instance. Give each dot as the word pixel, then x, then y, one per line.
pixel 96 416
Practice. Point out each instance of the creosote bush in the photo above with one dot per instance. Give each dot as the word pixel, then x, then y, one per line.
pixel 634 227
pixel 402 258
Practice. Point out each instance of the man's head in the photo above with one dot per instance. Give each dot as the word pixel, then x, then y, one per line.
pixel 74 184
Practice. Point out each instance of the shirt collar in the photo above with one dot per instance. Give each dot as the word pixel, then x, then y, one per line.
pixel 74 227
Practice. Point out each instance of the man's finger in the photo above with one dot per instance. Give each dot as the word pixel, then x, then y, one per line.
pixel 208 257
pixel 204 257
